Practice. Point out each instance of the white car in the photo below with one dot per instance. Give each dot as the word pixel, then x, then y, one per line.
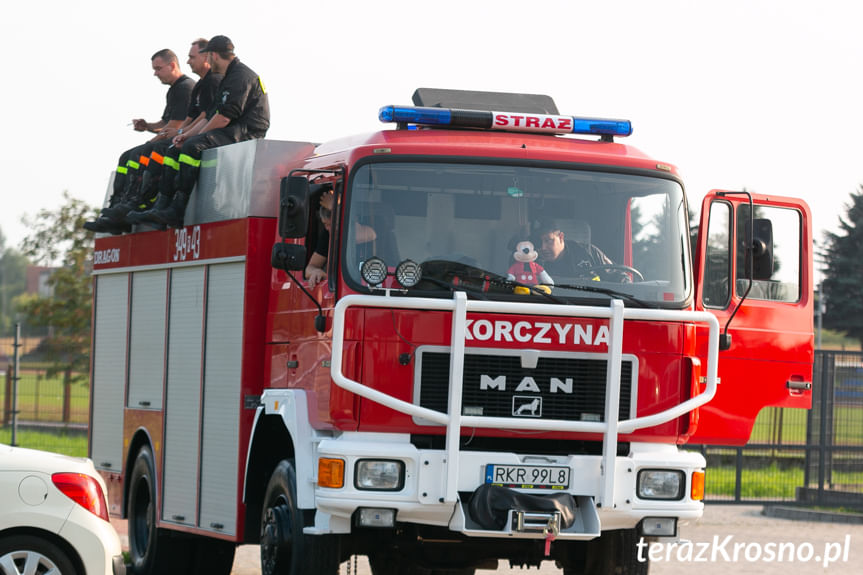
pixel 54 516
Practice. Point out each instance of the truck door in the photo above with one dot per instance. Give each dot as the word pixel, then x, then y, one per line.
pixel 754 273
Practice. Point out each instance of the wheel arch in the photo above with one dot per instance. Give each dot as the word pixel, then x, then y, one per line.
pixel 271 443
pixel 141 438
pixel 282 430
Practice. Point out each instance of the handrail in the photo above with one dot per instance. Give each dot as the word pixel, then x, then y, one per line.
pixel 460 306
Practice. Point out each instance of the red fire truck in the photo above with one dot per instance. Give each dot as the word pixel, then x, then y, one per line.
pixel 423 406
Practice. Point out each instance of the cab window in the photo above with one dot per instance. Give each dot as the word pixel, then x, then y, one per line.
pixel 777 230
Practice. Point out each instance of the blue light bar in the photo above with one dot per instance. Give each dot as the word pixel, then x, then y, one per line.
pixel 416 115
pixel 506 121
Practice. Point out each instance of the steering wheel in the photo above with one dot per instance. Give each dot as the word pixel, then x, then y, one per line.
pixel 618 267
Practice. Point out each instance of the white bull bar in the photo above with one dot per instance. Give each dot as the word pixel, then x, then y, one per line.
pixel 459 305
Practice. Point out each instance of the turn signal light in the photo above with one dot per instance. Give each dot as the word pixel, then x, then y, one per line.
pixel 331 473
pixel 697 490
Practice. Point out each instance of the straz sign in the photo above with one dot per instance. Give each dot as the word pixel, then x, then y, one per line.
pixel 544 123
pixel 536 332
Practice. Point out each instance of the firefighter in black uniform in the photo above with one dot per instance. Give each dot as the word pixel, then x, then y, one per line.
pixel 203 99
pixel 166 67
pixel 242 112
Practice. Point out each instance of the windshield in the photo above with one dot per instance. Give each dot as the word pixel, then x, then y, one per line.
pixel 586 234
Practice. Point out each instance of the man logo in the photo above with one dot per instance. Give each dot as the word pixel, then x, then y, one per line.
pixel 526 406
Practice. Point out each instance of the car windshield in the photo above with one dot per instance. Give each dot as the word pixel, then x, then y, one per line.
pixel 586 234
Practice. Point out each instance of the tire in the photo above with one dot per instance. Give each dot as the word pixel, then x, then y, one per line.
pixel 285 550
pixel 153 551
pixel 19 550
pixel 613 553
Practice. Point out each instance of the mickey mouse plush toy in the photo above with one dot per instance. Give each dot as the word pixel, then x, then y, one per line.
pixel 525 270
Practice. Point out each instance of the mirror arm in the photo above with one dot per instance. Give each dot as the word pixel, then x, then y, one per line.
pixel 320 320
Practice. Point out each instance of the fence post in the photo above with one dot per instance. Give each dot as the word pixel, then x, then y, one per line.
pixel 15 379
pixel 7 397
pixel 67 395
pixel 738 476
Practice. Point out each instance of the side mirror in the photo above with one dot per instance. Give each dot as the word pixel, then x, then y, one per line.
pixel 293 207
pixel 288 257
pixel 761 250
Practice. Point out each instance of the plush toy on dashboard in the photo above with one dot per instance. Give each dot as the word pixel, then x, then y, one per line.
pixel 525 270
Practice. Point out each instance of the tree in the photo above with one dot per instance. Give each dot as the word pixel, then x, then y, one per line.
pixel 13 281
pixel 58 238
pixel 843 277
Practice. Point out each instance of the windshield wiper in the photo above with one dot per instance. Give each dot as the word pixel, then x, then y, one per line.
pixel 463 272
pixel 607 291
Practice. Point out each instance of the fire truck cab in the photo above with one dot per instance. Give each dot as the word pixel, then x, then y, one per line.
pixel 516 337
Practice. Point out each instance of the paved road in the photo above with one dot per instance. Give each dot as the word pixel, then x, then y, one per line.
pixel 729 539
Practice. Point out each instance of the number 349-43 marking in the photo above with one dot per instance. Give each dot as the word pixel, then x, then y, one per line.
pixel 187 243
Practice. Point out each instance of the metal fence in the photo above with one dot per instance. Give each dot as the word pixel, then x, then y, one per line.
pixel 811 457
pixel 51 410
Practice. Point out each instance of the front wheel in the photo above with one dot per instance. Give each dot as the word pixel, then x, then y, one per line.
pixel 29 554
pixel 285 550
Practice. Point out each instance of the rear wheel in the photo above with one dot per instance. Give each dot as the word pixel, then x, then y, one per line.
pixel 153 551
pixel 29 554
pixel 285 550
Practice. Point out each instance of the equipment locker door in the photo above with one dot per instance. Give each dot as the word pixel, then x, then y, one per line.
pixel 223 360
pixel 755 276
pixel 109 371
pixel 147 339
pixel 183 405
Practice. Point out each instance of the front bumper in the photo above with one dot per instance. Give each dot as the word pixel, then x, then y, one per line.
pixel 422 499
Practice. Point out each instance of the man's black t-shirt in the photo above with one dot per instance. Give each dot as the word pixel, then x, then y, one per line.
pixel 575 260
pixel 204 94
pixel 177 99
pixel 322 245
pixel 243 100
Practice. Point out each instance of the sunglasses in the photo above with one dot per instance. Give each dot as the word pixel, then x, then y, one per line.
pixel 325 213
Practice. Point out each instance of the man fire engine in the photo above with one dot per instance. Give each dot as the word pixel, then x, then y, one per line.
pixel 418 406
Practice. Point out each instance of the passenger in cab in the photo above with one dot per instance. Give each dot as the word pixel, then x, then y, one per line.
pixel 577 258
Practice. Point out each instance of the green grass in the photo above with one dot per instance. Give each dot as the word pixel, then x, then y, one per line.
pixel 771 482
pixel 74 444
pixel 788 426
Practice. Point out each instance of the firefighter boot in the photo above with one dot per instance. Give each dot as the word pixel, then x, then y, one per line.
pixel 130 198
pixel 172 216
pixel 162 201
pixel 104 224
pixel 142 199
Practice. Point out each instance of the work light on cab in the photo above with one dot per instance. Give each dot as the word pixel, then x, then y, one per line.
pixel 505 121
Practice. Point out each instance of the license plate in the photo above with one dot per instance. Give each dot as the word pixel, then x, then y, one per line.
pixel 528 476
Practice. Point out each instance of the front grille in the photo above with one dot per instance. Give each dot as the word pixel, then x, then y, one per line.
pixel 496 385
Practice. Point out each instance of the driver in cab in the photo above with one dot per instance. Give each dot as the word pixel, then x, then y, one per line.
pixel 577 258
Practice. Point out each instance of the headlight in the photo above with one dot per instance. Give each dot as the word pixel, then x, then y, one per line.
pixel 660 484
pixel 408 273
pixel 374 271
pixel 379 475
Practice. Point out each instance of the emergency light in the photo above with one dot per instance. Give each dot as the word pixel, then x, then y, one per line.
pixel 506 121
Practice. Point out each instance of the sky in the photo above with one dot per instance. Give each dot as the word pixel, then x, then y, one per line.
pixel 762 95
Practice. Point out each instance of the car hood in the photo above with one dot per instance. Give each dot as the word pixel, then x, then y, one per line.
pixel 21 459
